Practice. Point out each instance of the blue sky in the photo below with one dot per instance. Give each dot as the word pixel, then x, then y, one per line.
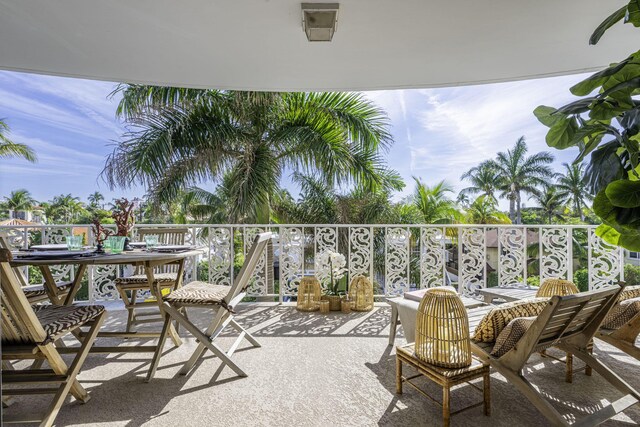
pixel 438 133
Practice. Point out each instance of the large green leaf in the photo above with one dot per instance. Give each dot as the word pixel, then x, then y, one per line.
pixel 633 13
pixel 608 234
pixel 561 134
pixel 596 80
pixel 607 23
pixel 629 239
pixel 603 207
pixel 578 107
pixel 547 115
pixel 624 193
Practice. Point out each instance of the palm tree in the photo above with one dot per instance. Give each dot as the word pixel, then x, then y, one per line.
pixel 434 205
pixel 551 203
pixel 95 198
pixel 9 148
pixel 484 210
pixel 483 178
pixel 67 207
pixel 19 200
pixel 519 174
pixel 572 187
pixel 180 137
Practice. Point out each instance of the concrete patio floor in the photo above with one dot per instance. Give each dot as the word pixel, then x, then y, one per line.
pixel 312 370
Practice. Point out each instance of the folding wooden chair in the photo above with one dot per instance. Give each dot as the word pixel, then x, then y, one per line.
pixel 166 276
pixel 39 293
pixel 29 333
pixel 568 323
pixel 221 297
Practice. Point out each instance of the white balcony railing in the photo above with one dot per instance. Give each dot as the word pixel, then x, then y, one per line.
pixel 397 257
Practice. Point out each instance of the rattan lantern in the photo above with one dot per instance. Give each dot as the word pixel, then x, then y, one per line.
pixel 308 294
pixel 442 330
pixel 553 287
pixel 361 294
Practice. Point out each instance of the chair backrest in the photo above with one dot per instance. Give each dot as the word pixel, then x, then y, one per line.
pixel 4 244
pixel 572 317
pixel 20 326
pixel 243 278
pixel 166 236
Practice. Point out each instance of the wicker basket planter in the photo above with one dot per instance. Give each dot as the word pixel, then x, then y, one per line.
pixel 361 294
pixel 442 330
pixel 334 302
pixel 309 294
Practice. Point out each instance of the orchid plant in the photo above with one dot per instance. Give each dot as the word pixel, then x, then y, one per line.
pixel 334 265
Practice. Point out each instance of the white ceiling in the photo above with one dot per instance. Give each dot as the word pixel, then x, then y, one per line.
pixel 260 45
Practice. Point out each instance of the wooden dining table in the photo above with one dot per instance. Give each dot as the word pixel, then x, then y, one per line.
pixel 143 259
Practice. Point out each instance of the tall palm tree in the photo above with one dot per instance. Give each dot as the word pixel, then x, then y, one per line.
pixel 434 205
pixel 180 137
pixel 484 210
pixel 483 178
pixel 67 207
pixel 519 173
pixel 19 200
pixel 95 198
pixel 551 203
pixel 573 187
pixel 9 148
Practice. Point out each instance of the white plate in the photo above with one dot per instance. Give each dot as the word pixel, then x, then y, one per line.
pixel 138 244
pixel 51 254
pixel 56 247
pixel 169 248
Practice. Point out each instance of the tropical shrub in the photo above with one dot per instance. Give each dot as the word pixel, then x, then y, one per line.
pixel 533 281
pixel 581 279
pixel 492 279
pixel 632 274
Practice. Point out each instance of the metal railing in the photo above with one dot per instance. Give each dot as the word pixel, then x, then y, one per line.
pixel 398 257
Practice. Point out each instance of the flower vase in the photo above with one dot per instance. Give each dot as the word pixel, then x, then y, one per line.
pixel 127 246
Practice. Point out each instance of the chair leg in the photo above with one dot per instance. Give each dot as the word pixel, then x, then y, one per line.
pixel 398 375
pixel 204 339
pixel 446 410
pixel 568 374
pixel 486 387
pixel 394 324
pixel 603 370
pixel 216 326
pixel 160 348
pixel 247 335
pixel 71 385
pixel 525 387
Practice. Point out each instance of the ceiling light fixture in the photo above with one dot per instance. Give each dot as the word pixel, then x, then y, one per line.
pixel 319 21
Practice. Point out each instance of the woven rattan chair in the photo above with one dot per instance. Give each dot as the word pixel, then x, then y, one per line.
pixel 38 293
pixel 222 299
pixel 568 323
pixel 29 332
pixel 166 276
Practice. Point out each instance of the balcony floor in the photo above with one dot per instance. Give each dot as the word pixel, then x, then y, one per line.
pixel 312 370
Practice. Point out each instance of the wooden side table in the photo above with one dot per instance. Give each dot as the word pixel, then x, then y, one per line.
pixel 446 378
